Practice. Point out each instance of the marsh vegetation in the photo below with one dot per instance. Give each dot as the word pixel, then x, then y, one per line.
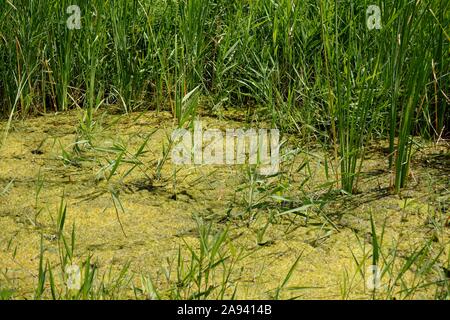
pixel 92 207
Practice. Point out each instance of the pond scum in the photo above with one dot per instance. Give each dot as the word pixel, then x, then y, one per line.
pixel 93 205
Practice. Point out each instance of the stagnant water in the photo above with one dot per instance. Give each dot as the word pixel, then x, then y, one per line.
pixel 46 159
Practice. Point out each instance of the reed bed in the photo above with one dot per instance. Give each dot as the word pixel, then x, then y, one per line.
pixel 309 67
pixel 326 73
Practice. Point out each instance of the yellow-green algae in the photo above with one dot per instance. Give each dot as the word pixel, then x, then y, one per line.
pixel 156 225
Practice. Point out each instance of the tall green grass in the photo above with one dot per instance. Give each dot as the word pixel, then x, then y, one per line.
pixel 309 67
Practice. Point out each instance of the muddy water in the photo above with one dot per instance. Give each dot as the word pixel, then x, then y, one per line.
pixel 39 166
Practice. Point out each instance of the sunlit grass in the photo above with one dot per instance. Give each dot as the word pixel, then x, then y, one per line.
pixel 311 68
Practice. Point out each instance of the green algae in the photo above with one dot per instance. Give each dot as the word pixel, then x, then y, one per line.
pixel 146 225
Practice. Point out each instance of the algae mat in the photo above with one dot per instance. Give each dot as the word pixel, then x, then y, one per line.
pixel 144 212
